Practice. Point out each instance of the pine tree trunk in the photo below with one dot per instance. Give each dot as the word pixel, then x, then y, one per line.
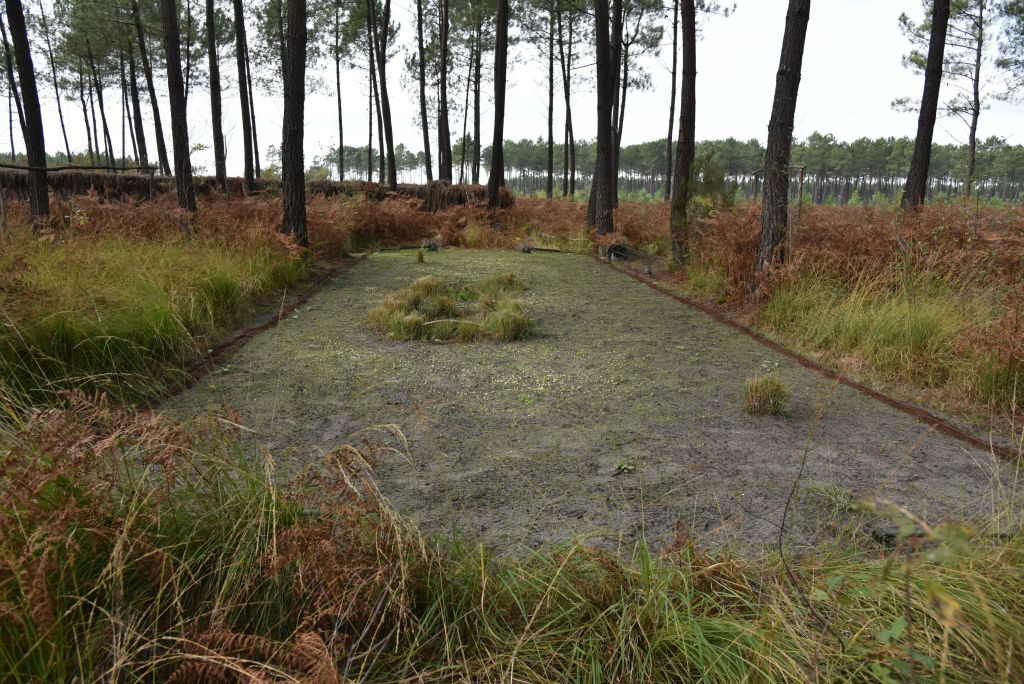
pixel 672 101
pixel 127 125
pixel 252 109
pixel 140 129
pixel 603 218
pixel 369 120
pixel 972 138
pixel 337 91
pixel 476 103
pixel 422 57
pixel 775 210
pixel 243 95
pixel 56 83
pixel 497 178
pixel 379 42
pixel 293 184
pixel 147 71
pixel 679 226
pixel 12 86
pixel 179 121
pixel 85 113
pixel 917 178
pixel 550 187
pixel 98 86
pixel 465 120
pixel 35 145
pixel 219 161
pixel 444 137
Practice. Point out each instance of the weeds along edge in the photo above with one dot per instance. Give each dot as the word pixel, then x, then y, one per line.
pixel 200 368
pixel 927 417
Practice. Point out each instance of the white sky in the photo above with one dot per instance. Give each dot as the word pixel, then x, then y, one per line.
pixel 851 74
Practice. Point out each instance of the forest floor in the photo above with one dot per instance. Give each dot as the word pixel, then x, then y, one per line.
pixel 621 419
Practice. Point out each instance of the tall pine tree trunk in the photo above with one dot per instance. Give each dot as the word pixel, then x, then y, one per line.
pixel 672 101
pixel 422 64
pixel 56 83
pixel 252 108
pixel 293 184
pixel 337 90
pixel 497 178
pixel 147 72
pixel 219 161
pixel 179 121
pixel 476 101
pixel 917 179
pixel 140 130
pixel 603 203
pixel 85 113
pixel 972 136
pixel 775 210
pixel 243 95
pixel 99 100
pixel 550 187
pixel 679 225
pixel 444 137
pixel 379 42
pixel 35 145
pixel 12 86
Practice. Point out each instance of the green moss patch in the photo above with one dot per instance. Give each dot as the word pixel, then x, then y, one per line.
pixel 434 310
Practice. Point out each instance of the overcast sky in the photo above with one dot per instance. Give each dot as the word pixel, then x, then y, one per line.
pixel 851 74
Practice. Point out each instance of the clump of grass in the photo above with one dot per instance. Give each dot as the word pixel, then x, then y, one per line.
pixel 139 550
pixel 436 311
pixel 766 395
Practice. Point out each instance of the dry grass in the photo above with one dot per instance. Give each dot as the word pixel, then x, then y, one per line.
pixel 766 395
pixel 436 311
pixel 134 549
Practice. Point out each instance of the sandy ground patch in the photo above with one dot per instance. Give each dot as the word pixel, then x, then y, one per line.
pixel 622 418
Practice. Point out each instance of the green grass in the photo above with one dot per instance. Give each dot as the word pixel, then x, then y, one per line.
pixel 165 546
pixel 436 311
pixel 909 332
pixel 122 316
pixel 766 395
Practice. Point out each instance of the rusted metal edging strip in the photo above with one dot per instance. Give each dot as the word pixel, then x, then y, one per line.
pixel 201 367
pixel 927 417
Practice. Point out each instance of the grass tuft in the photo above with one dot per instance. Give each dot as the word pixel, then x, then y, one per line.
pixel 436 311
pixel 766 395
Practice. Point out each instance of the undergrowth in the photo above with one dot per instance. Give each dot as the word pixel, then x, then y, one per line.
pixel 433 310
pixel 134 549
pixel 125 296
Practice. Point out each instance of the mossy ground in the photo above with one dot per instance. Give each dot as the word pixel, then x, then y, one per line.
pixel 523 443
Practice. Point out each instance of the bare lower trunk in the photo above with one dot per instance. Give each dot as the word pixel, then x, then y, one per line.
pixel 176 93
pixel 602 216
pixel 293 184
pixel 35 145
pixel 422 63
pixel 672 99
pixel 679 225
pixel 219 161
pixel 917 179
pixel 243 96
pixel 775 210
pixel 147 72
pixel 497 178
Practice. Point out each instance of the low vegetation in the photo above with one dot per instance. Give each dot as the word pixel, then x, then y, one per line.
pixel 436 311
pixel 124 297
pixel 134 549
pixel 766 395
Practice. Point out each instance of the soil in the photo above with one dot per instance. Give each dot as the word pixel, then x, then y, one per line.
pixel 621 419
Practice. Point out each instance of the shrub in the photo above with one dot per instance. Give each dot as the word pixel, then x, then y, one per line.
pixel 436 311
pixel 766 395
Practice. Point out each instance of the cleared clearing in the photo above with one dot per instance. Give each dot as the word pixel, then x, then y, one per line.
pixel 622 417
